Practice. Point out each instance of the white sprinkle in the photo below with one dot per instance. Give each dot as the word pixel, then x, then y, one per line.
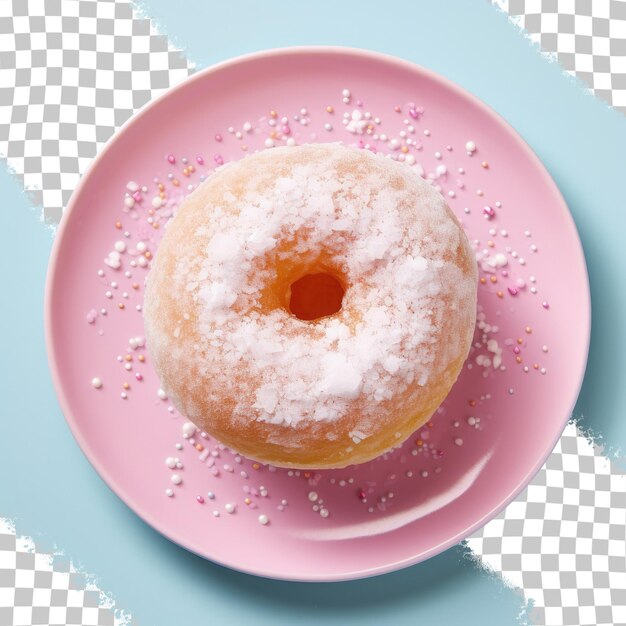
pixel 312 496
pixel 141 246
pixel 346 93
pixel 269 143
pixel 458 441
pixel 142 261
pixel 96 382
pixel 171 461
pixel 188 430
pixel 129 202
pixel 120 246
pixel 176 479
pixel 157 202
pixel 264 520
pixel 169 492
pixel 471 421
pixel 229 507
pixel 132 186
pixel 324 512
pixel 470 146
pixel 162 395
pixel 247 127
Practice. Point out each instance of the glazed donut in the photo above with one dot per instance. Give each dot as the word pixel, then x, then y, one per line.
pixel 311 306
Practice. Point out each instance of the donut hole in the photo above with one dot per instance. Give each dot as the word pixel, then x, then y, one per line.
pixel 315 295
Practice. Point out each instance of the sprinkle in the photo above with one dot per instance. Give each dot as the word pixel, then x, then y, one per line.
pixel 458 441
pixel 528 330
pixel 162 395
pixel 312 496
pixel 264 520
pixel 176 479
pixel 188 430
pixel 96 382
pixel 513 291
pixel 126 386
pixel 545 305
pixel 169 492
pixel 199 499
pixel 470 146
pixel 484 165
pixel 123 395
pixel 171 158
pixel 324 512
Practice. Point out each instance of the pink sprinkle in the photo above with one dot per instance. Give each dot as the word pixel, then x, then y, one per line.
pixel 139 376
pixel 545 305
pixel 91 316
pixel 505 273
pixel 516 350
pixel 397 109
pixel 137 197
pixel 362 494
pixel 488 211
pixel 359 103
pixel 199 160
pixel 286 130
pixel 513 291
pixel 218 137
pixel 218 159
pixel 413 113
pixel 361 143
pixel 171 158
pixel 200 499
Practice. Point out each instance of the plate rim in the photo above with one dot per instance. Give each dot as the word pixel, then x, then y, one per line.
pixel 52 350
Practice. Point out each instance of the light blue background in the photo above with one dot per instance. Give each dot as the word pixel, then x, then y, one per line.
pixel 51 490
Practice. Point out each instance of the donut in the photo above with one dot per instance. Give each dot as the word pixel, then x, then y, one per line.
pixel 311 306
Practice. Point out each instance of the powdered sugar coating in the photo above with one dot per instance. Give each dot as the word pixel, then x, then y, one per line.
pixel 217 299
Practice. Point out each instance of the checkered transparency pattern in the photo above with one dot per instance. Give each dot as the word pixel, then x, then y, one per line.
pixel 40 588
pixel 563 540
pixel 71 72
pixel 587 38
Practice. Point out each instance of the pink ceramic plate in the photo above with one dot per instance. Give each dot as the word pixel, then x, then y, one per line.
pixel 489 438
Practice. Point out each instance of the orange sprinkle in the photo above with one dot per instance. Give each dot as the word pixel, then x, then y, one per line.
pixel 175 182
pixel 529 330
pixel 191 168
pixel 155 225
pixel 329 109
pixel 430 424
pixel 135 285
pixel 118 225
pixel 161 187
pixel 520 341
pixel 307 474
pixel 536 366
pixel 499 294
pixel 161 195
pixel 185 171
pixel 518 359
pixel 484 164
pixel 126 386
pixel 472 402
pixel 199 447
pixel 419 442
pixel 404 149
pixel 255 466
pixel 493 279
pixel 141 357
pixel 128 357
pixel 491 244
pixel 247 500
pixel 150 211
pixel 148 254
pixel 120 305
pixel 273 114
pixel 483 280
pixel 273 134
